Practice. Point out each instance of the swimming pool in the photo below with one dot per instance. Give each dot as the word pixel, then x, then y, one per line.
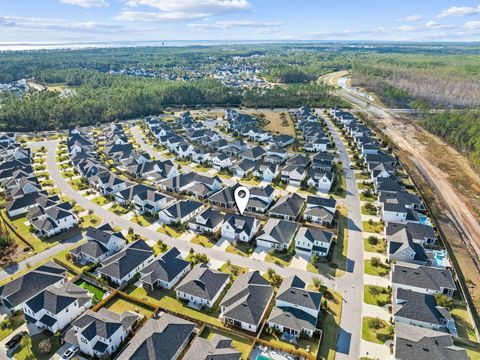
pixel 424 220
pixel 263 357
pixel 441 258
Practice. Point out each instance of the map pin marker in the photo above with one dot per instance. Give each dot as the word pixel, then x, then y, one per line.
pixel 241 195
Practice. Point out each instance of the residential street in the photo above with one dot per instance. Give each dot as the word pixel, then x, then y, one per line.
pixel 350 285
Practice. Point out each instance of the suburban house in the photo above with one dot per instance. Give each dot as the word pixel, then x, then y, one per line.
pixel 208 222
pixel 57 306
pixel 423 279
pixel 421 233
pixel 260 198
pixel 313 241
pixel 296 309
pixel 277 234
pixel 102 332
pixel 202 286
pixel 101 242
pixel 412 342
pixel 52 220
pixel 401 247
pixel 254 154
pixel 244 167
pixel 218 347
pixel 161 339
pixel 288 207
pixel 246 302
pixel 121 267
pixel 238 227
pixel 321 180
pixel 165 271
pixel 294 174
pixel 16 292
pixel 180 212
pixel 419 309
pixel 224 197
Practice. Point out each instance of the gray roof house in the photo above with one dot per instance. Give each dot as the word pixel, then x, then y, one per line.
pixel 402 247
pixel 246 302
pixel 414 308
pixel 420 233
pixel 425 279
pixel 313 241
pixel 238 227
pixel 412 343
pixel 277 234
pixel 159 339
pixel 202 286
pixel 296 308
pixel 288 207
pixel 102 332
pixel 219 347
pixel 165 271
pixel 122 266
pixel 180 212
pixel 208 221
pixel 14 293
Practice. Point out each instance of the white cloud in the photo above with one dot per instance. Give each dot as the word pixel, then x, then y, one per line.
pixel 236 23
pixel 459 11
pixel 57 24
pixel 408 28
pixel 413 18
pixel 179 10
pixel 472 25
pixel 86 3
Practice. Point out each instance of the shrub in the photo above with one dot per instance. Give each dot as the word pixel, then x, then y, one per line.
pixel 376 324
pixel 372 240
pixel 45 346
pixel 375 261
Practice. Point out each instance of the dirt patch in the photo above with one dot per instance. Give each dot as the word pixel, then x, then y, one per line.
pixel 275 123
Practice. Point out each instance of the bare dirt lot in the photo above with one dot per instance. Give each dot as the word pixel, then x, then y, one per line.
pixel 275 124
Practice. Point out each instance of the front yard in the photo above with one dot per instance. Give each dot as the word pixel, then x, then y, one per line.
pixel 373 227
pixel 376 330
pixel 202 241
pixel 375 269
pixel 376 295
pixel 34 351
pixel 375 244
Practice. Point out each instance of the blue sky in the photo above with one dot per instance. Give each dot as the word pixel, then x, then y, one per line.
pixel 144 20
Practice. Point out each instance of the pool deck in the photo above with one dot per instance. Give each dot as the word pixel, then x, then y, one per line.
pixel 269 354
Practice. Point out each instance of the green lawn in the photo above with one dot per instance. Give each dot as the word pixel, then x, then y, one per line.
pixel 374 227
pixel 90 220
pixel 279 258
pixel 361 176
pixel 462 321
pixel 140 220
pixel 380 247
pixel 369 210
pixel 202 168
pixel 239 249
pixel 169 231
pixel 168 301
pixel 303 344
pixel 96 291
pixel 118 209
pixel 381 270
pixel 25 354
pixel 330 327
pixel 233 270
pixel 239 343
pixel 376 295
pixel 24 231
pixel 202 240
pixel 119 305
pixel 376 335
pixel 78 184
pixel 16 321
pixel 253 182
pixel 100 200
pixel 370 198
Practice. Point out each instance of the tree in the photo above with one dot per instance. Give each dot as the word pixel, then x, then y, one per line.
pixel 375 261
pixel 317 282
pixel 373 240
pixel 376 324
pixel 45 346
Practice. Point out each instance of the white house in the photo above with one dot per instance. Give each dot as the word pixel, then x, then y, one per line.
pixel 237 227
pixel 57 306
pixel 313 241
pixel 180 212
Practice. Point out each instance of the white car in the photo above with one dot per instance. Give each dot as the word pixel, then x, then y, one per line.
pixel 70 352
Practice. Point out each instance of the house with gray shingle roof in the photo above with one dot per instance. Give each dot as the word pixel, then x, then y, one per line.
pixel 424 279
pixel 246 302
pixel 210 221
pixel 102 332
pixel 14 293
pixel 159 339
pixel 419 309
pixel 165 271
pixel 238 227
pixel 180 212
pixel 277 234
pixel 313 241
pixel 288 207
pixel 55 307
pixel 412 343
pixel 296 309
pixel 402 247
pixel 124 265
pixel 219 347
pixel 202 286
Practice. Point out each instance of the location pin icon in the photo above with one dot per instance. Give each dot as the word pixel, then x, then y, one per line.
pixel 242 196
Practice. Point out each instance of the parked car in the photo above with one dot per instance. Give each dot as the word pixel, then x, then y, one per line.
pixel 15 340
pixel 70 352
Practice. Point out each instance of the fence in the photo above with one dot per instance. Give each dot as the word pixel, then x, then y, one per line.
pixel 12 228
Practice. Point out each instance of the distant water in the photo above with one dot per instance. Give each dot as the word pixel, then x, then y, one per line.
pixel 22 46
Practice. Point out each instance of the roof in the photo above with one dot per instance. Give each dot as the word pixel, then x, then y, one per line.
pixel 416 230
pixel 413 342
pixel 182 208
pixel 103 233
pixel 225 195
pixel 91 248
pixel 248 298
pixel 278 231
pixel 26 286
pixel 54 299
pixel 159 339
pixel 315 234
pixel 203 282
pixel 240 223
pixel 288 205
pixel 210 218
pixel 217 348
pixel 419 307
pixel 292 318
pixel 293 291
pixel 424 277
pixel 166 267
pixel 126 260
pixel 319 201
